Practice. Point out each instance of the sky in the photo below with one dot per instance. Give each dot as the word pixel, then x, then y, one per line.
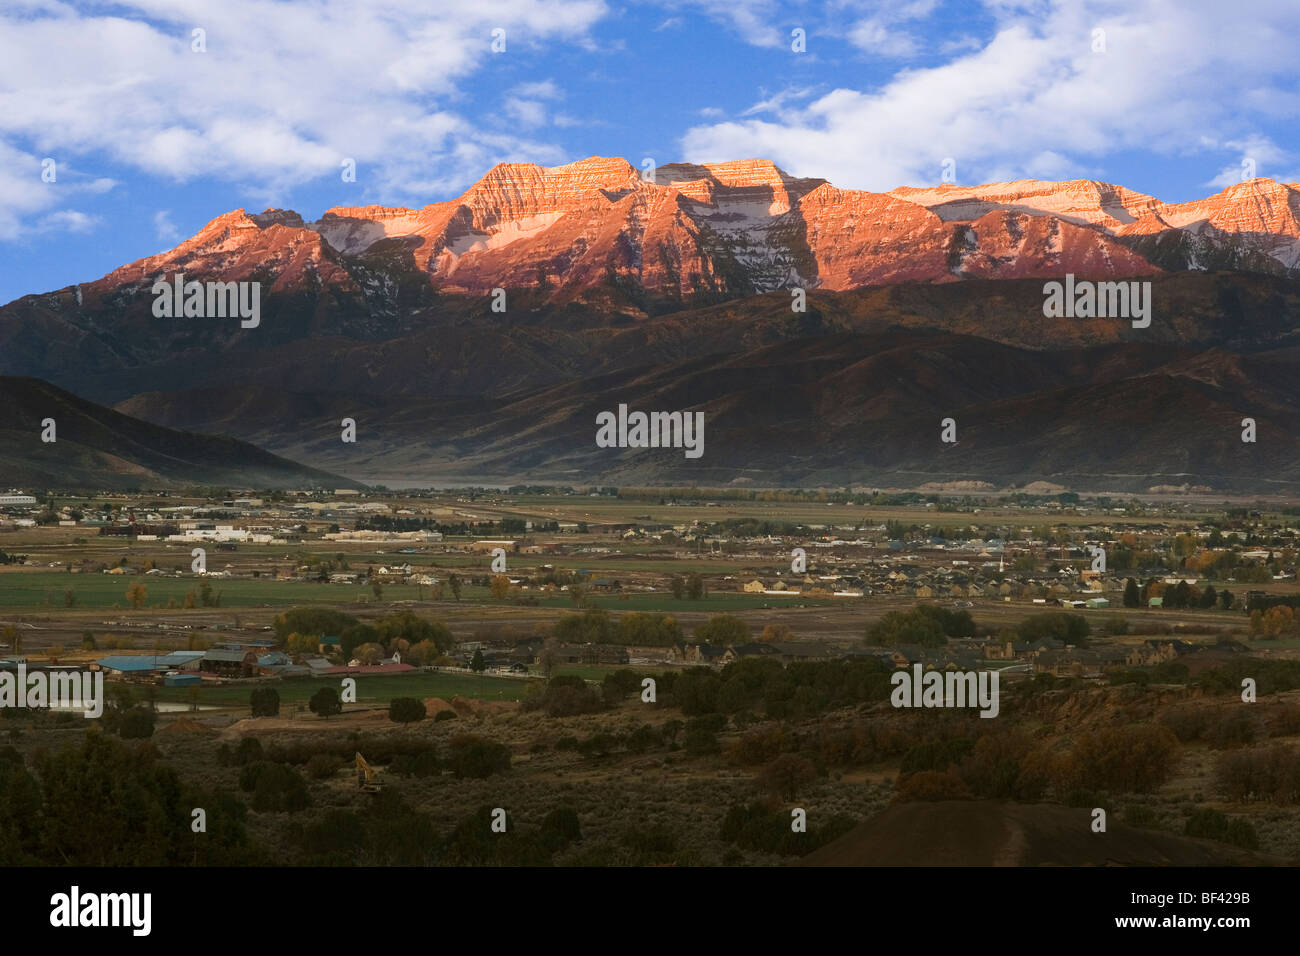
pixel 125 127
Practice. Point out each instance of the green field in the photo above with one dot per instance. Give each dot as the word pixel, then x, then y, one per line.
pixel 42 589
pixel 372 689
pixel 31 589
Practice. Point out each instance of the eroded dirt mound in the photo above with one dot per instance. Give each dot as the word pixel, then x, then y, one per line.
pixel 186 725
pixel 997 833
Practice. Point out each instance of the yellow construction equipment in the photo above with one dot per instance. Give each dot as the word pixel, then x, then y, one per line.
pixel 366 777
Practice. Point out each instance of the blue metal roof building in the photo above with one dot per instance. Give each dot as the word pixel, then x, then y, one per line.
pixel 134 664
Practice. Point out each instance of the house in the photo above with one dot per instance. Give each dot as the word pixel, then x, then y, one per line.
pixel 738 652
pixel 706 654
pixel 1150 653
pixel 330 644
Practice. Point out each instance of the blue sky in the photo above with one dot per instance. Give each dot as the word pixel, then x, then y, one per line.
pixel 151 138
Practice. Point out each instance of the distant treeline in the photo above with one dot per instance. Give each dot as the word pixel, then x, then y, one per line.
pixel 130 530
pixel 504 526
pixel 1259 601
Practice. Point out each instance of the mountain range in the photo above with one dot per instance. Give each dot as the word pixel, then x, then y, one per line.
pixel 676 290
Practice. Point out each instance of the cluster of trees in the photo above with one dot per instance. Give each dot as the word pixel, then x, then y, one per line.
pixel 690 586
pixel 598 626
pixel 1013 765
pixel 1271 774
pixel 567 696
pixel 420 641
pixel 926 624
pixel 798 690
pixel 1278 621
pixel 1055 625
pixel 103 803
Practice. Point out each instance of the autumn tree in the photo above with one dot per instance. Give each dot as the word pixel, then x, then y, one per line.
pixel 500 587
pixel 787 775
pixel 369 653
pixel 722 630
pixel 548 657
pixel 136 594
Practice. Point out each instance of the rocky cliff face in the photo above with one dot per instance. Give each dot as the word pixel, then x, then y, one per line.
pixel 691 234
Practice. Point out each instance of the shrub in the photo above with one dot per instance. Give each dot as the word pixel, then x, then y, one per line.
pixel 424 764
pixel 1233 727
pixel 249 750
pixel 136 723
pixel 478 757
pixel 760 745
pixel 560 828
pixel 264 702
pixel 597 746
pixel 323 766
pixel 1136 759
pixel 275 787
pixel 1141 815
pixel 700 742
pixel 406 710
pixel 444 715
pixel 935 755
pixel 787 775
pixel 1211 824
pixel 1188 722
pixel 932 785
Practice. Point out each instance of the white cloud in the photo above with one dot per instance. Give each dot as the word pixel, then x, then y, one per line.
pixel 164 228
pixel 1034 98
pixel 775 102
pixel 27 200
pixel 283 92
pixel 67 220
